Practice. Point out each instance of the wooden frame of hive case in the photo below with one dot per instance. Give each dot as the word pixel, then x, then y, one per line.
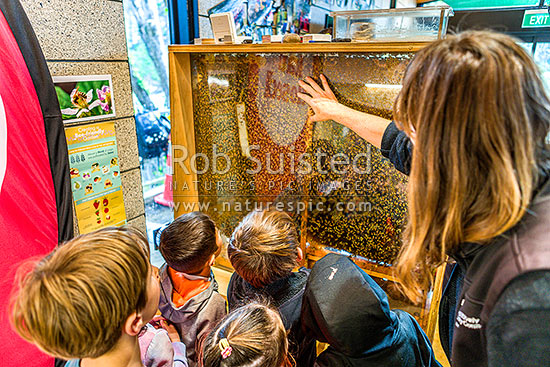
pixel 183 134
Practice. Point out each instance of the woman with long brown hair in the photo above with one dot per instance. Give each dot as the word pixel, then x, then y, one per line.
pixel 471 129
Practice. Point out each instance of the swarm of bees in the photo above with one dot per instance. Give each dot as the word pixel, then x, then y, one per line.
pixel 363 213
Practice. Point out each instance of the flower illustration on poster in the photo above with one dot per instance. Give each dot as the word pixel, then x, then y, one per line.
pixel 82 104
pixel 84 98
pixel 104 95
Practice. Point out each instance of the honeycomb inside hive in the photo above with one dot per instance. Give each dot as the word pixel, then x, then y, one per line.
pixel 256 148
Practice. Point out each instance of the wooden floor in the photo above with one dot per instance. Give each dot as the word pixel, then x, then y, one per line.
pixel 222 277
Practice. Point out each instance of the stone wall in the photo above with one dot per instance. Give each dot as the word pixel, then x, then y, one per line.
pixel 85 37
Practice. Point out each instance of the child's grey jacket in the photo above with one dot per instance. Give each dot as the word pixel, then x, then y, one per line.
pixel 196 317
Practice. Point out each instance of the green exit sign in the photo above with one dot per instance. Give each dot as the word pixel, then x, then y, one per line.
pixel 536 18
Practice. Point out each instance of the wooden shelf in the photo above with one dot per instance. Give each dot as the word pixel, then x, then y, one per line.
pixel 316 251
pixel 351 47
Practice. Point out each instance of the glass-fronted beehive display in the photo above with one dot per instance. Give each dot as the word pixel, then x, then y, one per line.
pixel 251 124
pixel 249 144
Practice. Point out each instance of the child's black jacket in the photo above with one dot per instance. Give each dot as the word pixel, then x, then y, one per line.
pixel 286 295
pixel 345 308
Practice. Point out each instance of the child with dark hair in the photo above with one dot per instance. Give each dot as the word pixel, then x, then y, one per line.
pixel 252 335
pixel 264 250
pixel 189 295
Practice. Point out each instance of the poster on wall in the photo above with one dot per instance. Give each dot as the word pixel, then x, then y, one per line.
pixel 95 176
pixel 85 97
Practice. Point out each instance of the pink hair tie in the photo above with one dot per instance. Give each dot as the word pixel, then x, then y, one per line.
pixel 225 348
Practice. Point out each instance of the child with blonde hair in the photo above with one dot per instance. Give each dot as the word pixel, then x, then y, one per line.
pixel 252 335
pixel 264 250
pixel 90 301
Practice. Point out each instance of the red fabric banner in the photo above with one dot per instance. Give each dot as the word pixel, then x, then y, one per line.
pixel 28 214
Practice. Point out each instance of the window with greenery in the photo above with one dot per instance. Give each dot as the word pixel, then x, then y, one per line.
pixel 147 33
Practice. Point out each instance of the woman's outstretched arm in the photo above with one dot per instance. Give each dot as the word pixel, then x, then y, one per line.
pixel 325 106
